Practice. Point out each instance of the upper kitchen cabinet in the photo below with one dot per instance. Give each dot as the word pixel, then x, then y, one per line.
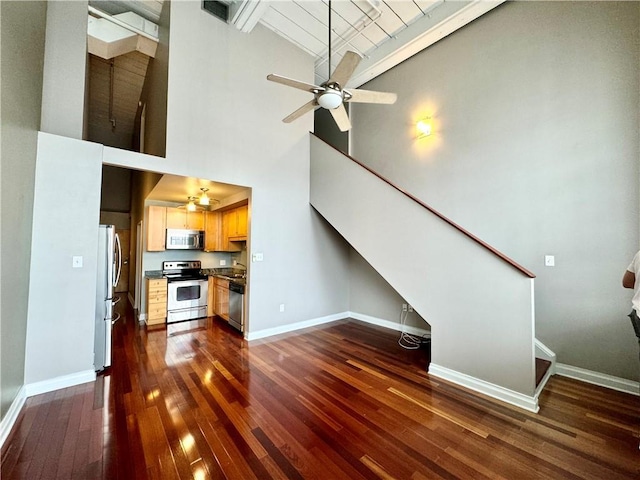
pixel 182 218
pixel 237 223
pixel 212 232
pixel 155 228
pixel 234 228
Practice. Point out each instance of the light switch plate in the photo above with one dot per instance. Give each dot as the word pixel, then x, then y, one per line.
pixel 77 261
pixel 550 261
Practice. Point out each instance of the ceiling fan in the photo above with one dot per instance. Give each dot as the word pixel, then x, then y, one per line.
pixel 332 95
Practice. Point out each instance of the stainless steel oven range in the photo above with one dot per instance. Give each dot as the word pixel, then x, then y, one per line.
pixel 187 290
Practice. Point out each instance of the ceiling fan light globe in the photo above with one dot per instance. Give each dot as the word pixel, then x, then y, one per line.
pixel 330 100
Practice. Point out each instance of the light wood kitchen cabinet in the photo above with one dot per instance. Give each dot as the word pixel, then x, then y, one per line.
pixel 211 295
pixel 212 232
pixel 237 223
pixel 242 214
pixel 234 228
pixel 156 226
pixel 183 219
pixel 156 301
pixel 221 299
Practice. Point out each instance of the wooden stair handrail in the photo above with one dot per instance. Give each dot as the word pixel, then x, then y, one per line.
pixel 480 242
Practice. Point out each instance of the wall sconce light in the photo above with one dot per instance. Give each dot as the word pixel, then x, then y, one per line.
pixel 204 198
pixel 191 206
pixel 424 127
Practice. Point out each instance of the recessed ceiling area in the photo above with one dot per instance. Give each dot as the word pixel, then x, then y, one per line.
pixel 177 189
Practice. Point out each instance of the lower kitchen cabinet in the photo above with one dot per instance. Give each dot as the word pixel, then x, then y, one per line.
pixel 156 301
pixel 211 295
pixel 221 300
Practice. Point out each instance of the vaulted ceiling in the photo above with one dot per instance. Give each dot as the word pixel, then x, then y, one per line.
pixel 383 32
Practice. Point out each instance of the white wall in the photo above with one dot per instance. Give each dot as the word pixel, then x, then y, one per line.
pixel 22 57
pixel 224 124
pixel 536 147
pixel 63 92
pixel 65 223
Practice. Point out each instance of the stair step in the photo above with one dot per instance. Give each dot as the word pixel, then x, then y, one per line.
pixel 541 369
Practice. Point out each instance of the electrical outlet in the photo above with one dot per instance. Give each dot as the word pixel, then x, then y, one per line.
pixel 404 307
pixel 223 263
pixel 282 307
pixel 257 257
pixel 410 309
pixel 235 262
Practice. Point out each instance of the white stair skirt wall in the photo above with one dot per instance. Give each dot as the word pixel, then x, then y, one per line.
pixel 480 308
pixel 544 352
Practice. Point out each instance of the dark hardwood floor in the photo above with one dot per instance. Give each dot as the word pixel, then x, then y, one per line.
pixel 332 402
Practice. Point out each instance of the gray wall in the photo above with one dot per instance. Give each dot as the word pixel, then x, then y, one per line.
pixel 370 294
pixel 63 92
pixel 65 224
pixel 535 150
pixel 324 126
pixel 22 54
pixel 116 189
pixel 479 328
pixel 224 124
pixel 154 91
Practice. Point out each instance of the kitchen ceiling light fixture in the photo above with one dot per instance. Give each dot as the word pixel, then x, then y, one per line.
pixel 204 198
pixel 191 206
pixel 424 127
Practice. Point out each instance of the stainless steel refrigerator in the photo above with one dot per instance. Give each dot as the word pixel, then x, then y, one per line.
pixel 109 267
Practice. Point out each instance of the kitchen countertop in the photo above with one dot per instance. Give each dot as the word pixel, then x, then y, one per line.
pixel 224 273
pixel 153 274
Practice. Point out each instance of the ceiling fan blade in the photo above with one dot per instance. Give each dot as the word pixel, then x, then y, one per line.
pixel 301 111
pixel 369 96
pixel 342 119
pixel 294 83
pixel 345 68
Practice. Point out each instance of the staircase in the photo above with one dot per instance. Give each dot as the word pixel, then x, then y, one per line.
pixel 479 303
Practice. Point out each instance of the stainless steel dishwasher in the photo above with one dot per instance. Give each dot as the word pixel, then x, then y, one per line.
pixel 236 305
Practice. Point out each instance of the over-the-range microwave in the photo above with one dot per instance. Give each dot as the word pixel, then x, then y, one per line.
pixel 179 239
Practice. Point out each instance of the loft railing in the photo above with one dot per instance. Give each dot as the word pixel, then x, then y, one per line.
pixel 465 232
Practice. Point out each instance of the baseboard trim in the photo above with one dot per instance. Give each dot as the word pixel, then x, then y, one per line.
pixel 494 391
pixel 600 379
pixel 389 324
pixel 269 332
pixel 57 383
pixel 12 415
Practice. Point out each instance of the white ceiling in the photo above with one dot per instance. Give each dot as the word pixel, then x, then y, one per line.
pixel 357 25
pixel 383 32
